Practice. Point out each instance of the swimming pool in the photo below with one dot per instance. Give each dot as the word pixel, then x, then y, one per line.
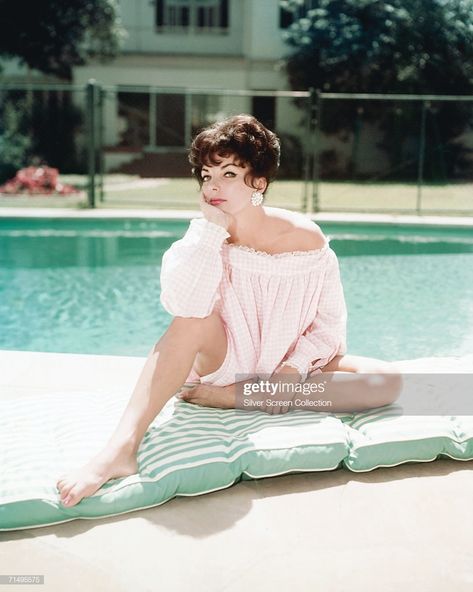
pixel 92 286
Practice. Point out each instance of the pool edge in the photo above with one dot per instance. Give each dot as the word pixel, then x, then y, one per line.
pixel 348 218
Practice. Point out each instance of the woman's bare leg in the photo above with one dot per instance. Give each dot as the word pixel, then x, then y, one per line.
pixel 187 340
pixel 358 383
pixel 352 384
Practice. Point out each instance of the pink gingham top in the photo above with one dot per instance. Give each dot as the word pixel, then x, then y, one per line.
pixel 283 308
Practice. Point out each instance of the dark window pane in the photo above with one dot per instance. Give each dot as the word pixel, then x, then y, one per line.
pixel 133 108
pixel 224 13
pixel 184 21
pixel 200 17
pixel 264 109
pixel 159 13
pixel 286 18
pixel 170 120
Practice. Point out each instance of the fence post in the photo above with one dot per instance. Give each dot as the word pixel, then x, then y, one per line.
pixel 308 151
pixel 420 166
pixel 100 140
pixel 152 119
pixel 317 102
pixel 188 117
pixel 91 90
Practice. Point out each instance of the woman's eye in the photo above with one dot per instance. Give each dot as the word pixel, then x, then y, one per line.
pixel 229 174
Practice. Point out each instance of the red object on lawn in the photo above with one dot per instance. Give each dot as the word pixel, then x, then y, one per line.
pixel 37 180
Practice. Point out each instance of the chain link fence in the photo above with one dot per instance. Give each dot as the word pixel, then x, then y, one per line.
pixel 126 146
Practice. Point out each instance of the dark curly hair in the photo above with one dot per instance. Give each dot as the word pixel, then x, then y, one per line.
pixel 242 136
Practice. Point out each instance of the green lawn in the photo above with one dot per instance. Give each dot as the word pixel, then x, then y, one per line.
pixel 127 191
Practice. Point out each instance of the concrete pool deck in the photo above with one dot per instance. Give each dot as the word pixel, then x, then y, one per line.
pixel 453 221
pixel 399 528
pixel 405 527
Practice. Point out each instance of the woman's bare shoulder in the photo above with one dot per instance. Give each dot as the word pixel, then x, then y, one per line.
pixel 298 232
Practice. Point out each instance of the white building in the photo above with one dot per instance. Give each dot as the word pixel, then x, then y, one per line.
pixel 152 105
pixel 175 45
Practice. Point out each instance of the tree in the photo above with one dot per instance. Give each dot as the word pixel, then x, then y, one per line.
pixel 53 36
pixel 396 46
pixel 15 146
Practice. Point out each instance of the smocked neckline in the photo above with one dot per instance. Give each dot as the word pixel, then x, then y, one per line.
pixel 247 249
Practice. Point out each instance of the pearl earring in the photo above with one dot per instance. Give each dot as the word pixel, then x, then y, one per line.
pixel 257 198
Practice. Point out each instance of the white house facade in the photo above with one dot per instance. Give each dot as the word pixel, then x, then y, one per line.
pixel 179 47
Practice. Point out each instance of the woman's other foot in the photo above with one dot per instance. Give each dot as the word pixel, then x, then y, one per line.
pixel 209 395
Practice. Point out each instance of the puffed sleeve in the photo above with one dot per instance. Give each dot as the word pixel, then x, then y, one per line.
pixel 325 337
pixel 191 270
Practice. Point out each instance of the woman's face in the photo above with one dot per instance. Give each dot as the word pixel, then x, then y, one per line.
pixel 223 185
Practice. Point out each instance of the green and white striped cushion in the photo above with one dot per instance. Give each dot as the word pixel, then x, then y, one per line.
pixel 384 438
pixel 190 450
pixel 187 450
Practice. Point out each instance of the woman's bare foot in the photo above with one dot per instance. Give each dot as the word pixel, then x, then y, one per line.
pixel 209 395
pixel 88 479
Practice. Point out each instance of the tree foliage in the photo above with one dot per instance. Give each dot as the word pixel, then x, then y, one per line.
pixel 37 127
pixel 411 46
pixel 53 36
pixel 14 144
pixel 394 46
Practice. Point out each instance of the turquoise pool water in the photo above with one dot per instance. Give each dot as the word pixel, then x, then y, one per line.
pixel 92 286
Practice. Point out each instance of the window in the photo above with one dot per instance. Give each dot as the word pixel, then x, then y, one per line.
pixel 205 109
pixel 170 120
pixel 192 16
pixel 286 18
pixel 133 114
pixel 264 109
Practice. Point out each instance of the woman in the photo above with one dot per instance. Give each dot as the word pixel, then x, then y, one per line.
pixel 254 292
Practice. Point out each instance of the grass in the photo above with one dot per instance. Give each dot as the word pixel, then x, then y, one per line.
pixel 128 191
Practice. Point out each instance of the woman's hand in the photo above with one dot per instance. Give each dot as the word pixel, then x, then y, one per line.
pixel 209 395
pixel 214 214
pixel 286 374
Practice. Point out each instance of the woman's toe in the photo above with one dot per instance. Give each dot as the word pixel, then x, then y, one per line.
pixel 74 497
pixel 66 490
pixel 69 500
pixel 63 485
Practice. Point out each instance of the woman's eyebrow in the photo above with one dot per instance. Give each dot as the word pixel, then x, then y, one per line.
pixel 224 166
